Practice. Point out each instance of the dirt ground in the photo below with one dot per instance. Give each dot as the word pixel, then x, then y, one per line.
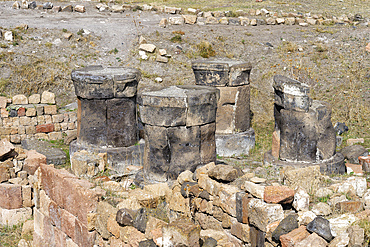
pixel 331 59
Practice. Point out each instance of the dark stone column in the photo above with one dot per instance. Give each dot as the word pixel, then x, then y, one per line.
pixel 233 122
pixel 304 134
pixel 107 119
pixel 179 124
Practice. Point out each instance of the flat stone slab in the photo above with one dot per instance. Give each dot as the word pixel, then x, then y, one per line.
pixel 98 82
pixel 179 106
pixel 334 165
pixel 221 72
pixel 235 144
pixel 118 158
pixel 53 155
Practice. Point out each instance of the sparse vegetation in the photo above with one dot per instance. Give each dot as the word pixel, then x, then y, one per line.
pixel 176 39
pixel 365 224
pixel 205 49
pixel 10 235
pixel 113 51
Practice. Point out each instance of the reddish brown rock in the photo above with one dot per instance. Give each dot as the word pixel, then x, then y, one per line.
pixel 349 206
pixel 68 223
pixel 10 196
pixel 33 161
pixel 313 240
pixel 294 237
pixel 112 226
pixel 83 237
pixel 60 237
pixel 21 112
pixel 73 194
pixel 241 231
pixel 278 194
pixel 45 128
pixel 356 169
pixel 275 144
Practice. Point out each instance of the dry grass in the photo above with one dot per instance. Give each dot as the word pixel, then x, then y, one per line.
pixel 10 236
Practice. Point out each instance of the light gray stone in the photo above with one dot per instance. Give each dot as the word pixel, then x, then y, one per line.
pixel 321 209
pixel 254 189
pixel 261 214
pixel 301 200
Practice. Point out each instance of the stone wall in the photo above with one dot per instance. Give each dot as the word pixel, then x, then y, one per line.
pixel 217 205
pixel 36 116
pixel 62 209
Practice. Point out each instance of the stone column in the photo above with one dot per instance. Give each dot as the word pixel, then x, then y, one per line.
pixel 234 135
pixel 304 134
pixel 106 119
pixel 179 126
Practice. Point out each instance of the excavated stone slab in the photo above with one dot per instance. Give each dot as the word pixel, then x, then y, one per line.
pixel 221 72
pixel 53 155
pixel 334 165
pixel 236 144
pixel 118 157
pixel 98 82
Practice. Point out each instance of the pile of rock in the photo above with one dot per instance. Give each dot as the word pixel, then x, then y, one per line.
pixel 219 205
pixel 252 17
pixel 162 56
pixel 17 181
pixel 36 116
pixel 258 17
pixel 48 6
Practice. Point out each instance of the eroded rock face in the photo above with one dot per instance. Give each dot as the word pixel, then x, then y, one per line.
pixel 304 126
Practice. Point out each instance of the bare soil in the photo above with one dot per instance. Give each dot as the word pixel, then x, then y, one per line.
pixel 332 60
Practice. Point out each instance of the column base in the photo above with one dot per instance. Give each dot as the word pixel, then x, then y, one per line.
pixel 334 165
pixel 228 145
pixel 118 158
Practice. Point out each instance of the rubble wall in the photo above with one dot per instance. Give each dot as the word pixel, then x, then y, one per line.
pixel 35 117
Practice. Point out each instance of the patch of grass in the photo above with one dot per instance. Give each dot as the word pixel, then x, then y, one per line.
pixel 205 49
pixel 176 39
pixel 288 46
pixel 365 224
pixel 263 132
pixel 10 236
pixel 80 32
pixel 48 44
pixel 2 45
pixel 324 199
pixel 322 30
pixel 148 75
pixel 64 30
pixel 320 48
pixel 4 83
pixel 113 51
